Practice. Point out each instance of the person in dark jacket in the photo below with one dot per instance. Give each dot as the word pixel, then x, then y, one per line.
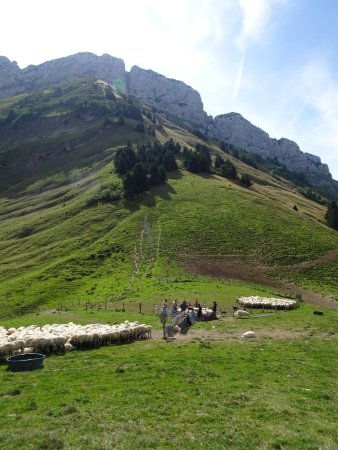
pixel 184 305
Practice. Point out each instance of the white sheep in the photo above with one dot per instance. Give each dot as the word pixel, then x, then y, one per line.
pixel 69 347
pixel 28 350
pixel 249 334
pixel 65 337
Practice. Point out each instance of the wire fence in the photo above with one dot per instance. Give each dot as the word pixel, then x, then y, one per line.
pixel 119 306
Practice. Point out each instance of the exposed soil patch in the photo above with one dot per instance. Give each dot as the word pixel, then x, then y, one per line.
pixel 223 335
pixel 228 267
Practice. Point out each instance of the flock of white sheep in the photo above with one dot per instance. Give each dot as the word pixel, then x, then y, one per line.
pixel 60 338
pixel 267 303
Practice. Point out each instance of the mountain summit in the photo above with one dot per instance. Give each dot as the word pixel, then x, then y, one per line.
pixel 181 104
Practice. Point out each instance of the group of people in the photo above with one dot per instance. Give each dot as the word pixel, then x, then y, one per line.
pixel 187 306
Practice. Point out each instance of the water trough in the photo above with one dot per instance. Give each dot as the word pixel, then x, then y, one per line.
pixel 28 361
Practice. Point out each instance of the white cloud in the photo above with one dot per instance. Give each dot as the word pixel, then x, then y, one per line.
pixel 302 106
pixel 319 89
pixel 256 14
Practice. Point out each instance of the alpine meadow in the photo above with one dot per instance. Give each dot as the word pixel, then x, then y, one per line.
pixel 120 195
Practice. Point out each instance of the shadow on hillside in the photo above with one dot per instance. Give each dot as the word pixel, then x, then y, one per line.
pixel 164 191
pixel 176 175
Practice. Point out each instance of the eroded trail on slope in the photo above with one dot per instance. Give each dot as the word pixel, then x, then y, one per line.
pixel 327 257
pixel 229 267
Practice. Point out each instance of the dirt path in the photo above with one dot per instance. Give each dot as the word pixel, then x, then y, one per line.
pixel 223 335
pixel 327 257
pixel 230 268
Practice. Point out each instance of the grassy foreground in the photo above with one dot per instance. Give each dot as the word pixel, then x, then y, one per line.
pixel 201 393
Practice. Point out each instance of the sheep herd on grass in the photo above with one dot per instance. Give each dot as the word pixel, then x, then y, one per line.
pixel 60 338
pixel 267 303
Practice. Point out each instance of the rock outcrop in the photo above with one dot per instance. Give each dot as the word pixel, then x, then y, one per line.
pixel 174 98
pixel 15 81
pixel 10 82
pixel 234 129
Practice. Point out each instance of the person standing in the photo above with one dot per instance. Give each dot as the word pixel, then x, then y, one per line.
pixel 183 306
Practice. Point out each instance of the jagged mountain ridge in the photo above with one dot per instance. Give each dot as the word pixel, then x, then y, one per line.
pixel 179 101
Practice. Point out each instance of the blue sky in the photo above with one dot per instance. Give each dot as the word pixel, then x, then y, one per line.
pixel 273 61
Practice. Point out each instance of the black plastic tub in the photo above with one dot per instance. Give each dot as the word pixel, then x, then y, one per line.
pixel 29 361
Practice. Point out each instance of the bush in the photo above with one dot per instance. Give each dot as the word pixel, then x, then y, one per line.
pixel 228 170
pixel 331 215
pixel 108 193
pixel 246 180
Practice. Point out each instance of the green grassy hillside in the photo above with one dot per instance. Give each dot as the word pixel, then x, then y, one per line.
pixel 67 256
pixel 55 247
pixel 207 390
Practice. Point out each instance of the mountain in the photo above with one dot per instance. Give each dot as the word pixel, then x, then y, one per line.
pixel 235 130
pixel 68 233
pixel 179 102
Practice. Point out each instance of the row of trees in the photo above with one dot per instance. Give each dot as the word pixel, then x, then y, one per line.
pixel 200 161
pixel 145 165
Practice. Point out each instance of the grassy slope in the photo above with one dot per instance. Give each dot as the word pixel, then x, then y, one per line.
pixel 55 248
pixel 322 278
pixel 198 394
pixel 72 249
pixel 224 393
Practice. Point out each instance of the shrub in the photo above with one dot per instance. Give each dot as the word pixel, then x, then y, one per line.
pixel 107 193
pixel 228 170
pixel 246 180
pixel 331 215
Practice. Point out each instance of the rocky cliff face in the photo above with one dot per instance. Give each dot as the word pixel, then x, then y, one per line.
pixel 10 83
pixel 61 70
pixel 15 81
pixel 174 98
pixel 234 129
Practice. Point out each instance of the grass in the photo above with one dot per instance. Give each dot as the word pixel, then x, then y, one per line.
pixel 321 278
pixel 201 394
pixel 55 248
pixel 208 391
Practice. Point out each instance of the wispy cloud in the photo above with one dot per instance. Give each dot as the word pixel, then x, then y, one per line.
pixel 256 14
pixel 318 87
pixel 255 20
pixel 304 107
